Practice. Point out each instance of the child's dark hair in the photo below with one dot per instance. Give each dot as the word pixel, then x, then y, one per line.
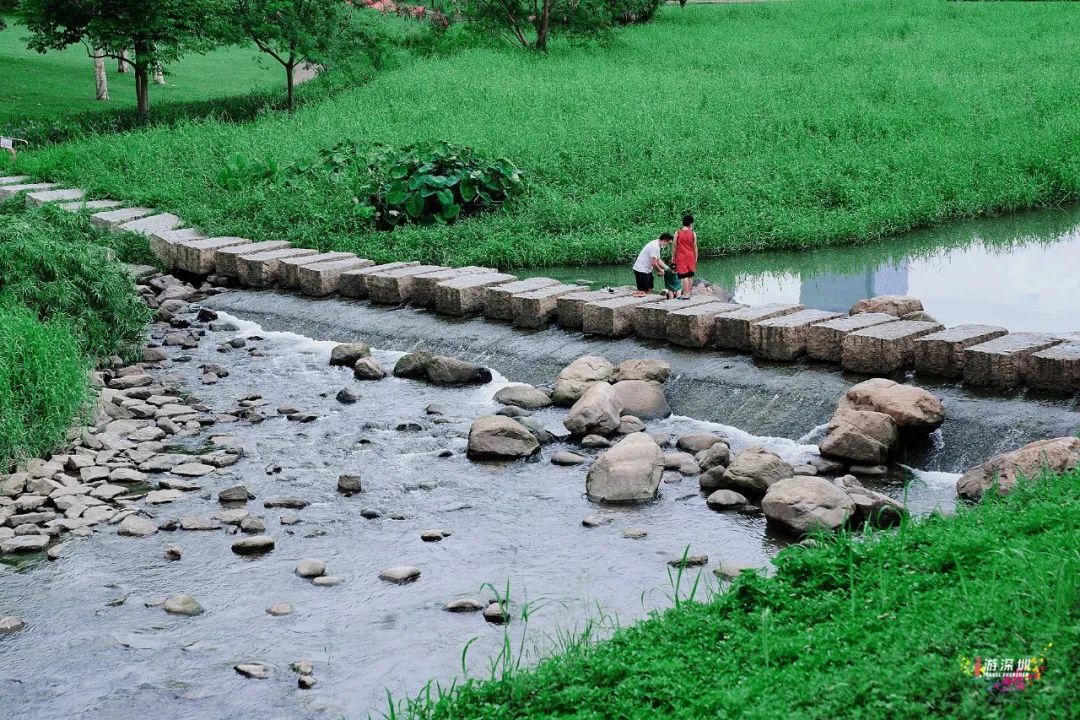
pixel 687 220
pixel 666 237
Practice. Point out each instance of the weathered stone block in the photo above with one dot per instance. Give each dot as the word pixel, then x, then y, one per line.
pixel 999 363
pixel 826 340
pixel 394 287
pixel 465 294
pixel 164 243
pixel 423 291
pixel 151 225
pixel 83 205
pixel 733 328
pixel 883 349
pixel 14 179
pixel 320 279
pixel 353 283
pixel 650 319
pixel 11 190
pixel 499 299
pixel 198 256
pixel 261 269
pixel 570 307
pixel 613 317
pixel 40 197
pixel 942 353
pixel 695 326
pixel 784 338
pixel 1055 369
pixel 288 272
pixel 895 305
pixel 538 308
pixel 227 259
pixel 111 219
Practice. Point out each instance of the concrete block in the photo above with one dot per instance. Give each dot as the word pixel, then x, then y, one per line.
pixel 319 279
pixel 784 338
pixel 112 219
pixel 423 286
pixel 151 225
pixel 41 197
pixel 570 307
pixel 14 179
pixel 883 349
pixel 9 191
pixel 84 205
pixel 261 269
pixel 538 308
pixel 499 299
pixel 198 256
pixel 695 326
pixel 826 340
pixel 942 353
pixel 613 317
pixel 733 328
pixel 1055 369
pixel 999 363
pixel 353 283
pixel 394 287
pixel 650 319
pixel 227 259
pixel 289 268
pixel 465 294
pixel 163 243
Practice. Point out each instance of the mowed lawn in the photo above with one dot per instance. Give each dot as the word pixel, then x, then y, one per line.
pixel 61 82
pixel 780 125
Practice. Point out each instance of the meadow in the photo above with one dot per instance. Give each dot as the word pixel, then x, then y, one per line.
pixel 780 125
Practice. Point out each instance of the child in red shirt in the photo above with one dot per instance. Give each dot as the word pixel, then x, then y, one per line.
pixel 685 258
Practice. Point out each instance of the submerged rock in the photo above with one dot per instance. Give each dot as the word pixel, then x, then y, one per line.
pixel 464 605
pixel 310 568
pixel 495 437
pixel 183 605
pixel 523 396
pixel 346 354
pixel 10 625
pixel 368 369
pixel 254 545
pixel 136 526
pixel 400 574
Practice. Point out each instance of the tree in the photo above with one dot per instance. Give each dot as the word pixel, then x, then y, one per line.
pixel 158 31
pixel 529 23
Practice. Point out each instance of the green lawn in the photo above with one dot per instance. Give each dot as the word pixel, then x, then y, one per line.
pixel 864 627
pixel 780 125
pixel 61 82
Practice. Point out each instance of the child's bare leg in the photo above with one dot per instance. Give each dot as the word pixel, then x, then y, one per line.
pixel 687 286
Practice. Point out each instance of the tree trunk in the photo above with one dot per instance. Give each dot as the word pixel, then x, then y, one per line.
pixel 159 75
pixel 142 81
pixel 545 23
pixel 289 68
pixel 121 63
pixel 101 80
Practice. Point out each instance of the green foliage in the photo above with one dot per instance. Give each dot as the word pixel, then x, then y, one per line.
pixel 530 23
pixel 43 383
pixel 872 626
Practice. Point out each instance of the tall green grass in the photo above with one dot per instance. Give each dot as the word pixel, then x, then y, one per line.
pixel 780 125
pixel 861 626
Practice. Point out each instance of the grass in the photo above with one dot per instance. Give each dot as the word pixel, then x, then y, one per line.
pixel 861 626
pixel 780 125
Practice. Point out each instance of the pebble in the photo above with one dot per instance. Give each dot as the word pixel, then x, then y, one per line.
pixel 287 503
pixel 436 409
pixel 256 671
pixel 10 625
pixel 591 521
pixel 55 552
pixel 279 609
pixel 434 535
pixel 495 614
pixel 183 605
pixel 289 520
pixel 326 581
pixel 565 457
pixel 345 396
pixel 348 484
pixel 302 667
pixel 302 417
pixel 464 605
pixel 306 682
pixel 173 552
pixel 253 545
pixel 400 574
pixel 310 568
pixel 595 441
pixel 136 526
pixel 634 533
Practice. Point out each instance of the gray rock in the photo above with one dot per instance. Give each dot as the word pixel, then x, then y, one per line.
pixel 802 504
pixel 368 369
pixel 326 581
pixel 197 523
pixel 579 376
pixel 689 561
pixel 597 412
pixel 595 442
pixel 629 424
pixel 173 552
pixel 754 470
pixel 345 396
pixel 495 614
pixel 349 484
pixel 464 605
pixel 863 437
pixel 346 354
pixel 634 533
pixel 23 544
pixel 10 625
pixel 136 526
pixel 724 499
pixel 698 442
pixel 442 370
pixel 494 437
pixel 234 494
pixel 279 609
pixel 541 433
pixel 252 525
pixel 183 605
pixel 310 568
pixel 256 671
pixel 643 399
pixel 715 456
pixel 158 497
pixel 650 370
pixel 523 396
pixel 628 472
pixel 192 469
pixel 564 457
pixel 400 574
pixel 253 545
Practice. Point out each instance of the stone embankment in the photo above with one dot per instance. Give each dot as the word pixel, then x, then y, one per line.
pixel 880 336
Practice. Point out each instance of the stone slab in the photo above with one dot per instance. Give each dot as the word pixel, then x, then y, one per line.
pixel 321 279
pixel 784 338
pixel 394 287
pixel 886 348
pixel 199 256
pixel 650 319
pixel 84 205
pixel 261 269
pixel 423 286
pixel 569 308
pixel 111 219
pixel 14 179
pixel 942 353
pixel 695 325
pixel 499 299
pixel 465 294
pixel 538 308
pixel 9 191
pixel 41 197
pixel 353 283
pixel 733 328
pixel 999 363
pixel 153 224
pixel 163 244
pixel 288 273
pixel 826 339
pixel 227 259
pixel 1055 369
pixel 613 317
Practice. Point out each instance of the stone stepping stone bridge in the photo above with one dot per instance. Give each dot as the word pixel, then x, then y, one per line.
pixel 873 342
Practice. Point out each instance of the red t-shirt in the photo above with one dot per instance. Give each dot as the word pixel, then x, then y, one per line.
pixel 685 258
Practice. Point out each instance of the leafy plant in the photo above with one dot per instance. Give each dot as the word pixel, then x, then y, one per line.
pixel 239 172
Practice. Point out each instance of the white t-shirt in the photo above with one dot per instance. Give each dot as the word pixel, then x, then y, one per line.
pixel 644 259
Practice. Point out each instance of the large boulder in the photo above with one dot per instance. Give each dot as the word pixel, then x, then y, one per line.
pixel 579 376
pixel 644 399
pixel 413 366
pixel 804 503
pixel 655 370
pixel 912 408
pixel 628 472
pixel 442 370
pixel 895 305
pixel 596 412
pixel 1056 455
pixel 522 396
pixel 859 437
pixel 754 471
pixel 347 354
pixel 496 437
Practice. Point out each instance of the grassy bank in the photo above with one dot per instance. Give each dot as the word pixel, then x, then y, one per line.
pixel 64 303
pixel 781 125
pixel 863 627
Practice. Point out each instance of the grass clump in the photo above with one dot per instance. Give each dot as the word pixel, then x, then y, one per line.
pixel 862 626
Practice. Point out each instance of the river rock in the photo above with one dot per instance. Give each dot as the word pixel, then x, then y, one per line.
pixel 689 561
pixel 629 424
pixel 434 535
pixel 253 545
pixel 464 605
pixel 870 506
pixel 715 456
pixel 136 526
pixel 10 625
pixel 594 521
pixel 256 671
pixel 326 581
pixel 597 412
pixel 650 370
pixel 194 469
pixel 310 568
pixel 724 499
pixel 400 574
pixel 595 442
pixel 306 682
pixel 895 305
pixel 634 533
pixel 279 609
pixel 910 407
pixel 523 396
pixel 805 503
pixel 368 368
pixel 348 484
pixel 538 430
pixel 234 494
pixel 173 552
pixel 442 370
pixel 566 458
pixel 346 354
pixel 345 396
pixel 252 525
pixel 23 544
pixel 698 442
pixel 675 459
pixel 754 470
pixel 183 605
pixel 413 366
pixel 859 436
pixel 495 437
pixel 495 614
pixel 643 399
pixel 579 376
pixel 159 497
pixel 1056 455
pixel 197 524
pixel 628 472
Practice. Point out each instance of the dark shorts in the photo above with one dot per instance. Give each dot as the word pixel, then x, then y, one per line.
pixel 683 276
pixel 644 281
